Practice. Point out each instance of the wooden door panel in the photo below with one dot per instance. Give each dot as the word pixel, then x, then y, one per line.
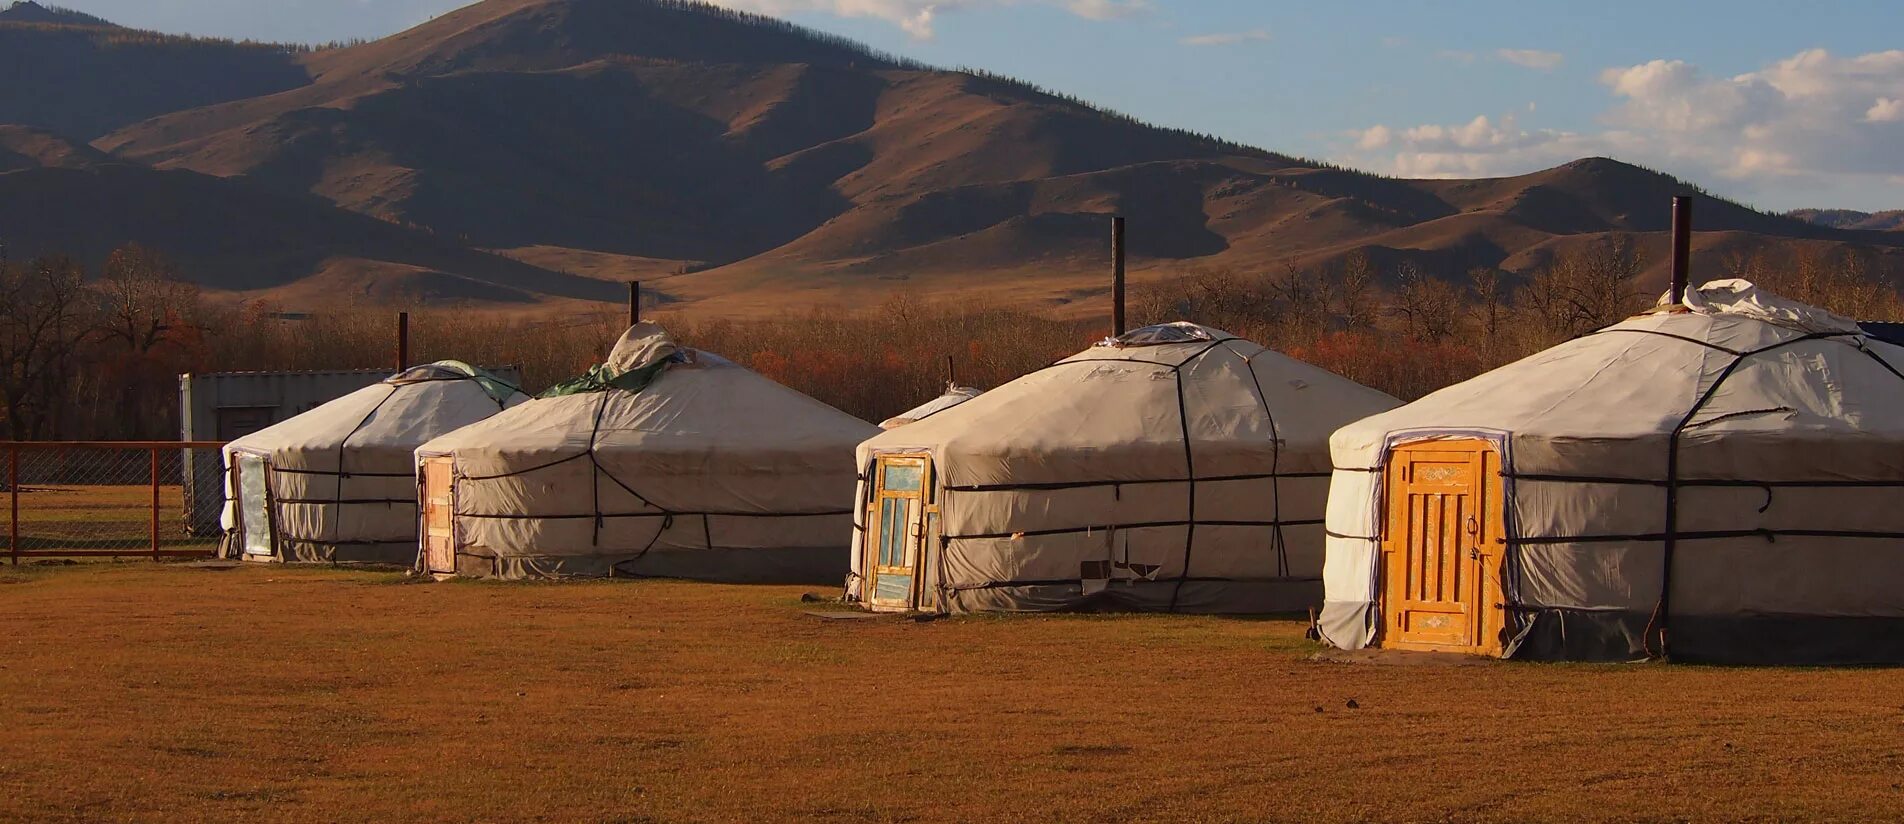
pixel 1441 561
pixel 439 542
pixel 896 519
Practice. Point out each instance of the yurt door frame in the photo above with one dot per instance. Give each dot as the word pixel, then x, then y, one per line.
pixel 1442 548
pixel 896 529
pixel 251 481
pixel 438 482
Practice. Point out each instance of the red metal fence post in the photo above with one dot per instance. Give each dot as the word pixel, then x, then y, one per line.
pixel 13 492
pixel 155 504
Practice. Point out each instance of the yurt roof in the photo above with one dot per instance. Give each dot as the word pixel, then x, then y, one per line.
pixel 953 396
pixel 653 394
pixel 400 412
pixel 1121 410
pixel 1734 359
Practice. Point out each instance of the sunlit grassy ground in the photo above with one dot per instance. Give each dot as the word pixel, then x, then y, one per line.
pixel 163 692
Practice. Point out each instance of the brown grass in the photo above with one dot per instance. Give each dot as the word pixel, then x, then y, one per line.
pixel 141 691
pixel 99 517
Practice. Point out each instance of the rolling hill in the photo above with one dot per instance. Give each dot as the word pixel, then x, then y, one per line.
pixel 527 150
pixel 1890 220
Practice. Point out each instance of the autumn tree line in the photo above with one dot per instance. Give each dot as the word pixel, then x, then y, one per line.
pixel 97 354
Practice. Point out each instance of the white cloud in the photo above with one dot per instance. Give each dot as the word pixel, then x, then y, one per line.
pixel 1530 58
pixel 1228 38
pixel 1814 122
pixel 916 17
pixel 1107 9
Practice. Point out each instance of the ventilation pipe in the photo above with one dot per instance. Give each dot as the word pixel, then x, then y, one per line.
pixel 403 341
pixel 1117 276
pixel 1682 247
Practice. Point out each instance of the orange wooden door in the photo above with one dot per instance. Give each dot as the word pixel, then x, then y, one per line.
pixel 1442 548
pixel 439 541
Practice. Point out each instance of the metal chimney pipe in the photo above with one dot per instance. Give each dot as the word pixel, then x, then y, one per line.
pixel 403 341
pixel 1682 246
pixel 1117 276
pixel 634 302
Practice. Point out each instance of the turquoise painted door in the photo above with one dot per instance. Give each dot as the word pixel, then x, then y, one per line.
pixel 897 516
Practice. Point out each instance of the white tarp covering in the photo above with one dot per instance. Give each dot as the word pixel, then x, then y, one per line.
pixel 341 479
pixel 1177 467
pixel 1777 427
pixel 706 470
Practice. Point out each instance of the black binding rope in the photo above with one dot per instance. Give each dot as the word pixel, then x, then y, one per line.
pixel 1662 610
pixel 1023 487
pixel 1277 543
pixel 1189 470
pixel 337 514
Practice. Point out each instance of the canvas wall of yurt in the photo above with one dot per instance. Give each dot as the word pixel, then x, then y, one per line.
pixel 663 461
pixel 1173 468
pixel 337 484
pixel 1716 481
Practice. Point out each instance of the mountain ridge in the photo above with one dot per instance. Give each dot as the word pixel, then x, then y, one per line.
pixel 747 160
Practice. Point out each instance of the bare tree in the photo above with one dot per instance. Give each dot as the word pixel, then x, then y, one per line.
pixel 1303 298
pixel 1353 292
pixel 1429 306
pixel 40 319
pixel 1583 290
pixel 144 303
pixel 1487 304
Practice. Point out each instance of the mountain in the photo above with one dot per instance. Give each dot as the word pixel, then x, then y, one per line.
pixel 745 162
pixel 1891 220
pixel 82 76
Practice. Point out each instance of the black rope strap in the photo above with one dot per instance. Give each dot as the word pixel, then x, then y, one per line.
pixel 1189 469
pixel 664 514
pixel 1662 611
pixel 1026 487
pixel 1034 582
pixel 1069 530
pixel 1655 537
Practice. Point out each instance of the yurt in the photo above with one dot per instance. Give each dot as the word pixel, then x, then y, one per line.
pixel 1174 468
pixel 953 396
pixel 663 461
pixel 1714 481
pixel 337 484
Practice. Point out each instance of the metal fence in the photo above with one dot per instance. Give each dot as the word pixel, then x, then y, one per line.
pixel 109 498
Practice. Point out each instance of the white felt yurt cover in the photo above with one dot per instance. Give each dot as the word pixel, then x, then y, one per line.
pixel 1755 441
pixel 337 483
pixel 663 461
pixel 953 396
pixel 1176 467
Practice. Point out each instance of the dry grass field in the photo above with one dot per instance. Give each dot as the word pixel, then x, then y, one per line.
pixel 140 691
pixel 100 518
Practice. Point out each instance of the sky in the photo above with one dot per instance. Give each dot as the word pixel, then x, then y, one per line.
pixel 1778 104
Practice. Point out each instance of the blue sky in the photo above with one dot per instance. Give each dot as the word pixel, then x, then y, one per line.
pixel 1780 104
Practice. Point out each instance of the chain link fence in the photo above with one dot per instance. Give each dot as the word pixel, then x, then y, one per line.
pixel 109 498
